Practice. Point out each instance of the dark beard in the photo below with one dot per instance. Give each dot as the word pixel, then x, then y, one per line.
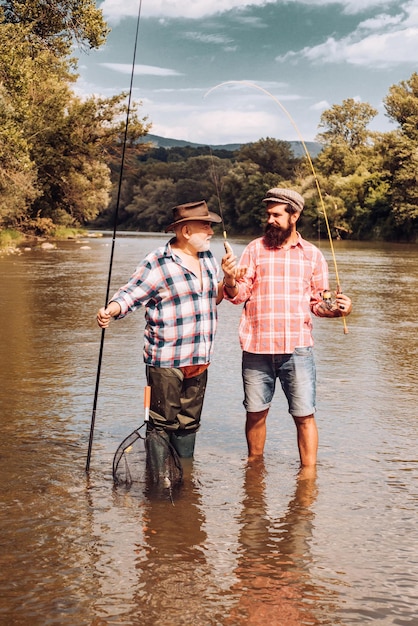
pixel 274 237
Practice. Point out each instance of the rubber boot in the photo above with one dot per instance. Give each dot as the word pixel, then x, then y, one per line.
pixel 183 443
pixel 156 445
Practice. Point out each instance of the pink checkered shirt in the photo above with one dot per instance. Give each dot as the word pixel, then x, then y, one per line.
pixel 280 290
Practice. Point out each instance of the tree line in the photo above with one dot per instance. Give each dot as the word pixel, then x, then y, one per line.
pixel 60 155
pixel 54 145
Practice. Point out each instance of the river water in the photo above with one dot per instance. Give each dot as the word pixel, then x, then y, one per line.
pixel 241 545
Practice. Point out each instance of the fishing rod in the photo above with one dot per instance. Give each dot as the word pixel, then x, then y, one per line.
pixel 308 156
pixel 227 245
pixel 115 225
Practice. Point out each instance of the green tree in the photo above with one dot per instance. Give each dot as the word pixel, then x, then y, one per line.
pixel 18 178
pixel 60 143
pixel 57 24
pixel 354 179
pixel 346 139
pixel 149 210
pixel 398 156
pixel 346 124
pixel 243 190
pixel 71 156
pixel 271 156
pixel 399 151
pixel 402 106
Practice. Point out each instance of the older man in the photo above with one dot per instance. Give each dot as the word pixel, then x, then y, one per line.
pixel 283 284
pixel 178 285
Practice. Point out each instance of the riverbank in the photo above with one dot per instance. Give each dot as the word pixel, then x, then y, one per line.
pixel 15 242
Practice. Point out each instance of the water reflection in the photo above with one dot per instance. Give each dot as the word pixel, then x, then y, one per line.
pixel 274 583
pixel 173 574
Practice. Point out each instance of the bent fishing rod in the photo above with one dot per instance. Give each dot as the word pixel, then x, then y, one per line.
pixel 308 156
pixel 115 225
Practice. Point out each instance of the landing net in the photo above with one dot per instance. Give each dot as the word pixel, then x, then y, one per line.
pixel 149 459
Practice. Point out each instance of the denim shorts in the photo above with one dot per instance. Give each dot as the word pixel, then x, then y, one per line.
pixel 297 375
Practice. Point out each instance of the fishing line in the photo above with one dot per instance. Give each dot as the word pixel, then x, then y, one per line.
pixel 115 225
pixel 308 156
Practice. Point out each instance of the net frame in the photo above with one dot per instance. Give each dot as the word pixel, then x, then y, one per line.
pixel 121 455
pixel 162 466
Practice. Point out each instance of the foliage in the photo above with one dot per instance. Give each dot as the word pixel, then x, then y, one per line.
pixel 56 24
pixel 10 238
pixel 367 182
pixel 270 155
pixel 398 156
pixel 402 106
pixel 346 124
pixel 64 233
pixel 232 186
pixel 54 146
pixel 374 175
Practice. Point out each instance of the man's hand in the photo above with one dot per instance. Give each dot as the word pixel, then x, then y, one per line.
pixel 105 314
pixel 230 269
pixel 343 304
pixel 335 305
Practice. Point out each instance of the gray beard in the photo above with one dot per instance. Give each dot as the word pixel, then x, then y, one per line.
pixel 274 237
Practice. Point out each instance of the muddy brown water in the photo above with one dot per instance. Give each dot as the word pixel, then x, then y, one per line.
pixel 241 545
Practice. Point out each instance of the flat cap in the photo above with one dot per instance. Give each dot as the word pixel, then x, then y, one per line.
pixel 285 196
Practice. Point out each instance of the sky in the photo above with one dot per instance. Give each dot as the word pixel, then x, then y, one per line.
pixel 231 71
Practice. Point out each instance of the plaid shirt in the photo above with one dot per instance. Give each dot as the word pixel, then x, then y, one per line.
pixel 280 289
pixel 180 314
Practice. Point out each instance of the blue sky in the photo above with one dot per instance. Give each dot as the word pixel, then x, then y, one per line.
pixel 308 55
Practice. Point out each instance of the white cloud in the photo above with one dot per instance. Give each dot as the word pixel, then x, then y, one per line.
pixel 211 39
pixel 252 90
pixel 249 20
pixel 375 51
pixel 382 41
pixel 115 10
pixel 238 112
pixel 380 22
pixel 143 70
pixel 358 6
pixel 384 50
pixel 411 8
pixel 180 90
pixel 322 105
pixel 197 127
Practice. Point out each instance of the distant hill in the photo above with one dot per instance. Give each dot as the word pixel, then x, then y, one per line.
pixel 313 147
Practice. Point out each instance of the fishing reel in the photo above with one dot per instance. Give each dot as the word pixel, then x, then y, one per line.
pixel 329 299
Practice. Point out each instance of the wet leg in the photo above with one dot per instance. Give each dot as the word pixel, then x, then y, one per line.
pixel 307 437
pixel 255 431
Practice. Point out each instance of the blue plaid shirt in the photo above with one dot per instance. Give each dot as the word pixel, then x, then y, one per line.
pixel 180 314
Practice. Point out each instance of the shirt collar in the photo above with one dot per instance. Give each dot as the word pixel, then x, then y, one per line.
pixel 168 250
pixel 298 242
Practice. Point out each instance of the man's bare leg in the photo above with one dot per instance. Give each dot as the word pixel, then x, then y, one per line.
pixel 307 436
pixel 255 431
